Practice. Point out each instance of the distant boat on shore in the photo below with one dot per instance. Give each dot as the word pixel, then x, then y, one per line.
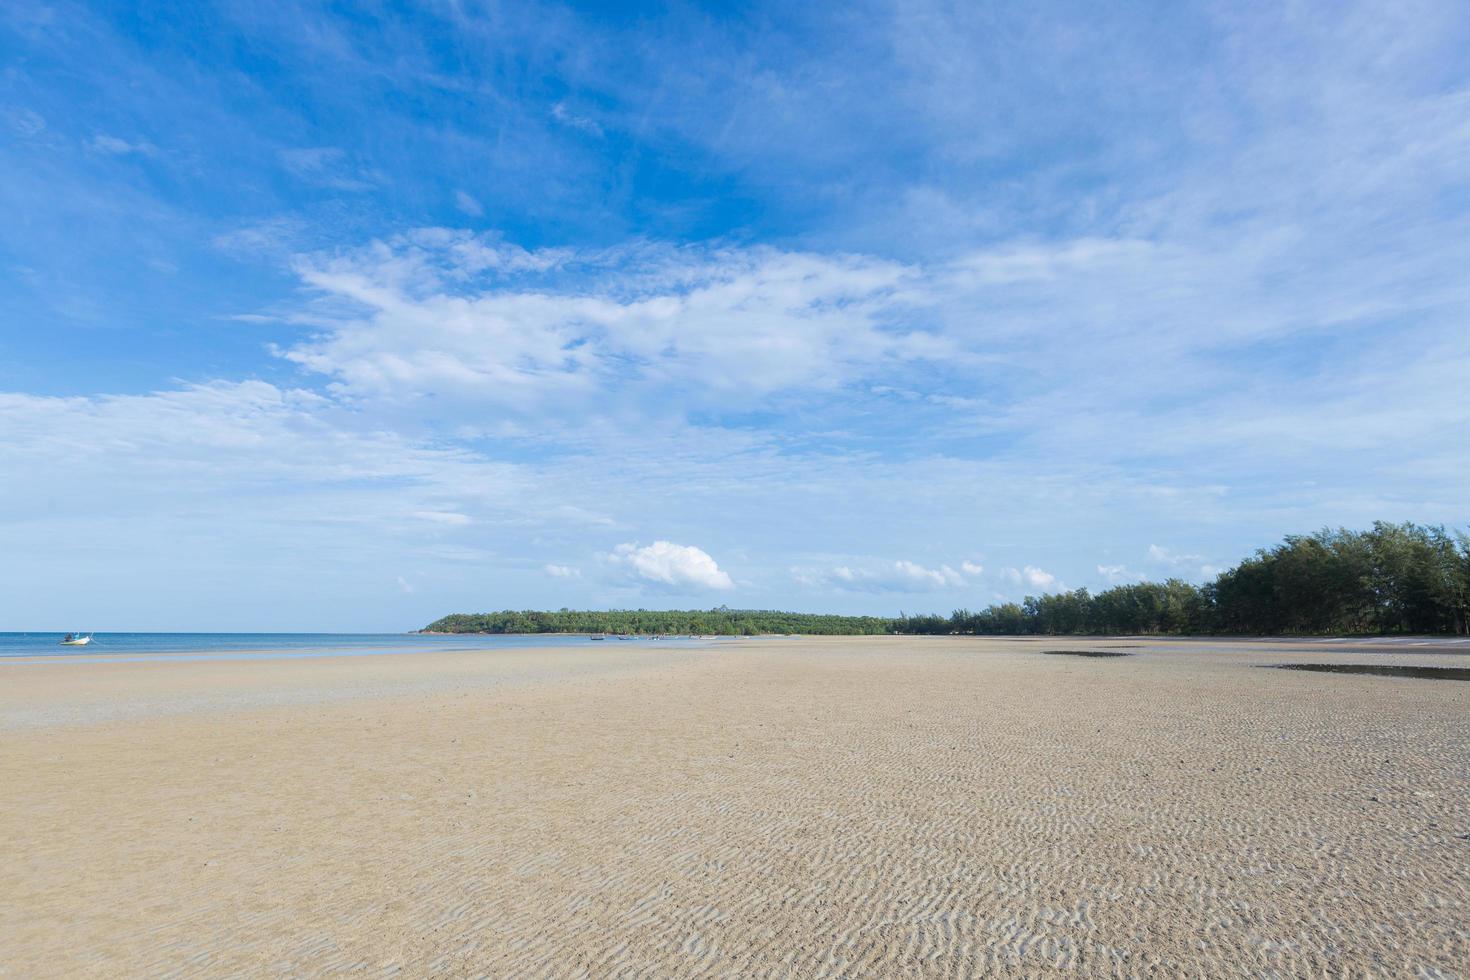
pixel 76 639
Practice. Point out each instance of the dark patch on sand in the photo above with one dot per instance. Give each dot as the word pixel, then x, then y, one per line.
pixel 1385 670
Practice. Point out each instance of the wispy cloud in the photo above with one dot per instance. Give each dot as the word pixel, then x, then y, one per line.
pixel 25 123
pixel 1120 574
pixel 328 166
pixel 273 238
pixel 1182 565
pixel 450 517
pixel 468 204
pixel 470 318
pixel 902 576
pixel 561 113
pixel 116 146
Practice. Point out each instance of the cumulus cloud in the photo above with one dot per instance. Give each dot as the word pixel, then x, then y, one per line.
pixel 1033 578
pixel 675 565
pixel 561 571
pixel 970 568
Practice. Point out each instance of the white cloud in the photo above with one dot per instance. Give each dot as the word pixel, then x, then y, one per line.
pixel 472 328
pixel 1164 555
pixel 468 318
pixel 561 571
pixel 1179 565
pixel 1036 578
pixel 405 586
pixel 273 490
pixel 237 453
pixel 1033 578
pixel 675 565
pixel 1119 574
pixel 895 576
pixel 937 577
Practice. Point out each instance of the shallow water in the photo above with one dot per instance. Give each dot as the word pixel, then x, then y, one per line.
pixel 140 647
pixel 1385 670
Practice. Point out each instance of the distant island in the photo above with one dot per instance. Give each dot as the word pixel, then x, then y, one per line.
pixel 1394 578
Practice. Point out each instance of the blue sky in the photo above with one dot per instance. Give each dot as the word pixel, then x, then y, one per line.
pixel 329 317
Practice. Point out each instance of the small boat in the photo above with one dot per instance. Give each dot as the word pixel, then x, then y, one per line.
pixel 76 639
pixel 596 637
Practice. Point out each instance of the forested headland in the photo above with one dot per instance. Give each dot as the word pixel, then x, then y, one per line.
pixel 1394 578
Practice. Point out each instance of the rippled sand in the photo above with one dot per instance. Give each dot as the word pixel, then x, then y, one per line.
pixel 803 808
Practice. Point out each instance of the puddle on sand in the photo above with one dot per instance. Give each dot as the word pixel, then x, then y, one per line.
pixel 1384 670
pixel 1085 653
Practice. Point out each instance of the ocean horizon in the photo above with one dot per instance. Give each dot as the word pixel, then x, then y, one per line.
pixel 151 646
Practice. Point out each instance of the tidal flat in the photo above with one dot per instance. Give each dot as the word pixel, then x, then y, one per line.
pixel 837 806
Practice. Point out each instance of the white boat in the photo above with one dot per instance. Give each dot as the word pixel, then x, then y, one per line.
pixel 76 639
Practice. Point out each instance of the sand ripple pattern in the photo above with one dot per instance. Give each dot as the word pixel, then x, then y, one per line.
pixel 876 808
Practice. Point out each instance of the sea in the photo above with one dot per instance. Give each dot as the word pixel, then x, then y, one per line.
pixel 137 647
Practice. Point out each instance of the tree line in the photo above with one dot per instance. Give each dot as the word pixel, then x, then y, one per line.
pixel 1394 578
pixel 661 622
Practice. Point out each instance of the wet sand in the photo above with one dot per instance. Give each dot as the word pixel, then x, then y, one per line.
pixel 792 808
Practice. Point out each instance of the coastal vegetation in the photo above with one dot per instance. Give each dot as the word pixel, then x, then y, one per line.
pixel 1393 578
pixel 662 622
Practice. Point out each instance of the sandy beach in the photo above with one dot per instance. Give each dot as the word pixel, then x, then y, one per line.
pixel 890 806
